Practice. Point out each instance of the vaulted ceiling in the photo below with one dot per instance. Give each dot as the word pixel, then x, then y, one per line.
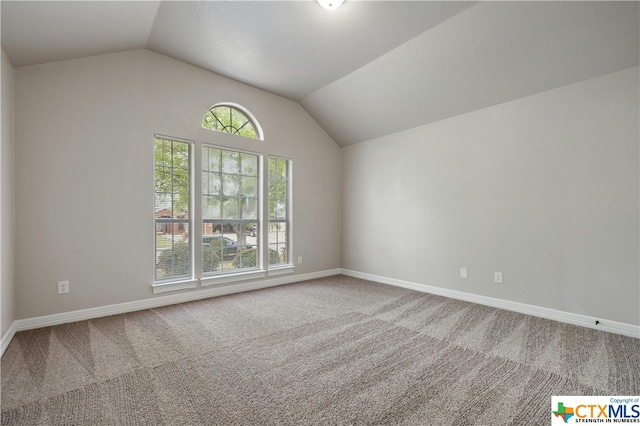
pixel 365 70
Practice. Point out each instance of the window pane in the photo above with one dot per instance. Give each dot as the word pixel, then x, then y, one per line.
pixel 229 119
pixel 211 207
pixel 277 243
pixel 249 186
pixel 162 153
pixel 209 121
pixel 245 259
pixel 230 220
pixel 173 253
pixel 223 117
pixel 248 131
pixel 172 216
pixel 210 159
pixel 277 188
pixel 278 211
pixel 231 185
pixel 230 162
pixel 249 208
pixel 230 208
pixel 238 120
pixel 249 164
pixel 229 246
pixel 211 184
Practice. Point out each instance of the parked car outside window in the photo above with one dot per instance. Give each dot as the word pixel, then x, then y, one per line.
pixel 228 246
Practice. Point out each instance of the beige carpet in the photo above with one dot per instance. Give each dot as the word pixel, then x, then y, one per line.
pixel 334 351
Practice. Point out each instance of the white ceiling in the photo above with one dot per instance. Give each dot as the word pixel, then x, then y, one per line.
pixel 491 53
pixel 41 31
pixel 367 69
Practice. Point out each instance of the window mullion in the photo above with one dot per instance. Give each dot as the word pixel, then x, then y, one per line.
pixel 196 195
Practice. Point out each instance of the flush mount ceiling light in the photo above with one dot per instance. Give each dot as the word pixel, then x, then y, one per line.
pixel 330 4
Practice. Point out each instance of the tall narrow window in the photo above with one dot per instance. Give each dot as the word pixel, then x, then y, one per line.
pixel 279 227
pixel 172 181
pixel 231 119
pixel 229 210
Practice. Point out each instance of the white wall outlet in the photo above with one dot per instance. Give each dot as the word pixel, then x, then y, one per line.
pixel 63 287
pixel 497 277
pixel 463 273
pixel 299 260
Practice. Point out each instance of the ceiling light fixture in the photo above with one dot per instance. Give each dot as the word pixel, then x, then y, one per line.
pixel 330 4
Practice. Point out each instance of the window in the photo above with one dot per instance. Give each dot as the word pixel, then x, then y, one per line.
pixel 229 210
pixel 241 202
pixel 172 182
pixel 231 119
pixel 279 172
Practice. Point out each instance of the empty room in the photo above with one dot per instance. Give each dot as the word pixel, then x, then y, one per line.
pixel 320 212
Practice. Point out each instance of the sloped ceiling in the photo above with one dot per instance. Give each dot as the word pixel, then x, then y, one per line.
pixel 365 70
pixel 491 53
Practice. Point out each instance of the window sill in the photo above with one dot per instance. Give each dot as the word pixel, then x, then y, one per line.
pixel 283 270
pixel 173 286
pixel 221 279
pixel 231 278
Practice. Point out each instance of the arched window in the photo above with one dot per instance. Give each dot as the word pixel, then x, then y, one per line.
pixel 232 119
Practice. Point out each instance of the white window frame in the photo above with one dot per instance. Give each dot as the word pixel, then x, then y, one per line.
pixel 246 112
pixel 263 269
pixel 288 267
pixel 182 282
pixel 247 273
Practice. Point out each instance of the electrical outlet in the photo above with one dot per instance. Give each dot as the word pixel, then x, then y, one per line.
pixel 299 260
pixel 463 273
pixel 63 287
pixel 497 277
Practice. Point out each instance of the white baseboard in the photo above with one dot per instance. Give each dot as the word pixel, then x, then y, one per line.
pixel 538 311
pixel 155 302
pixel 6 339
pixel 221 290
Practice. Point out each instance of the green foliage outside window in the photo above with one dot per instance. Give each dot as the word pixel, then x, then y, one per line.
pixel 228 119
pixel 247 258
pixel 277 188
pixel 172 176
pixel 175 262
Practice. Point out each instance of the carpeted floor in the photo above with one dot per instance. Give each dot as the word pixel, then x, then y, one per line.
pixel 333 351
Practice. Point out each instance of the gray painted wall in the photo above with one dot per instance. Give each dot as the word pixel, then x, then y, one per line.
pixel 7 315
pixel 84 172
pixel 544 189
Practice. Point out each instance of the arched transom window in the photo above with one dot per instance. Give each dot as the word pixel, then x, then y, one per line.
pixel 231 119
